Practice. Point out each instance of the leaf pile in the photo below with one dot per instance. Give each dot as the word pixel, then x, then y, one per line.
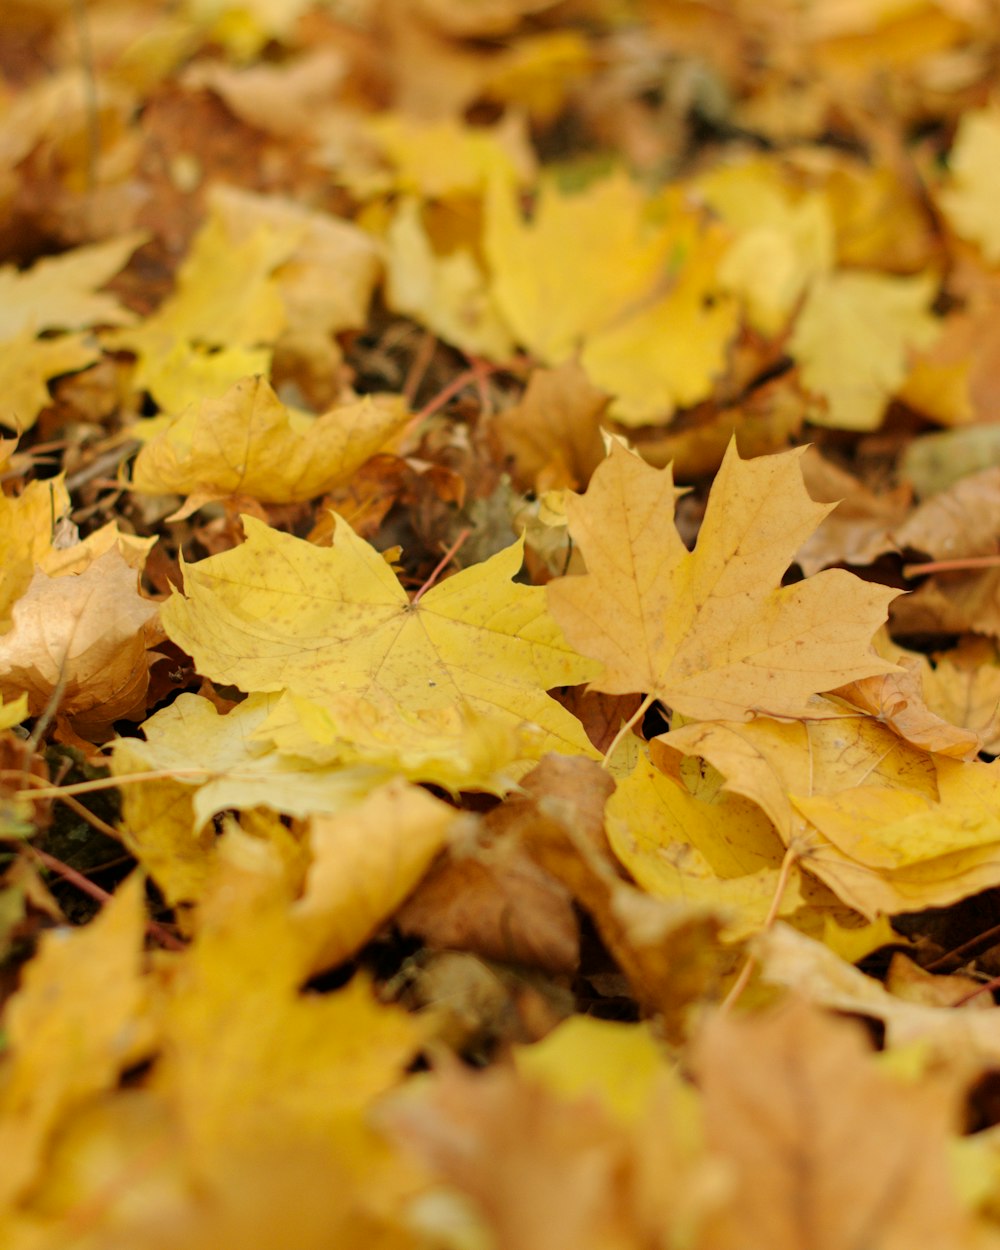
pixel 499 625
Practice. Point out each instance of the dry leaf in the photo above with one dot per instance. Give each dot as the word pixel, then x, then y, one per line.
pixel 712 633
pixel 829 1152
pixel 278 613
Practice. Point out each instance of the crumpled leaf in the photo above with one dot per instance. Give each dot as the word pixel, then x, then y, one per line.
pixel 666 948
pixel 278 613
pixel 712 632
pixel 487 896
pixel 249 444
pixel 791 959
pixel 86 636
pixel 897 699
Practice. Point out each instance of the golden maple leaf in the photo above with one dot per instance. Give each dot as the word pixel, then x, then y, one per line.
pixel 279 613
pixel 249 443
pixel 712 632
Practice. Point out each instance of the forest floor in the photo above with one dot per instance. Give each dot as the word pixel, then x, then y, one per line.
pixel 499 624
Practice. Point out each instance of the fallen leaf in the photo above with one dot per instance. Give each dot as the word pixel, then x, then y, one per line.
pixel 60 292
pixel 897 699
pixel 74 1026
pixel 82 638
pixel 724 854
pixel 364 864
pixel 969 197
pixel 234 1022
pixel 249 444
pixel 553 435
pixel 166 820
pixel 449 293
pixel 810 969
pixel 664 947
pixel 712 633
pixel 829 1152
pixel 489 897
pixel 278 613
pixel 852 340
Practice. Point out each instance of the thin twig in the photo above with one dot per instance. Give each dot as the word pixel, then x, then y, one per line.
pixel 441 565
pixel 153 927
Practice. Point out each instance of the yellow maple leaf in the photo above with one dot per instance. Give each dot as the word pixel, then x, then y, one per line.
pixel 852 341
pixel 166 822
pixel 60 292
pixel 627 280
pixel 278 613
pixel 448 293
pixel 576 266
pixel 248 443
pixel 226 295
pixel 712 632
pixel 27 363
pixel 73 1026
pixel 364 864
pixel 781 242
pixel 725 854
pixel 969 199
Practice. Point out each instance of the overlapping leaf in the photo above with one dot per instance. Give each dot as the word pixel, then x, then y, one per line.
pixel 279 614
pixel 712 633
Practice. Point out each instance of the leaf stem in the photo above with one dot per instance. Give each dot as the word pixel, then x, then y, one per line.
pixel 636 716
pixel 746 972
pixel 441 565
pixel 951 566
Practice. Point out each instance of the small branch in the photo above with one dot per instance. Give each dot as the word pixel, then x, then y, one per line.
pixel 153 927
